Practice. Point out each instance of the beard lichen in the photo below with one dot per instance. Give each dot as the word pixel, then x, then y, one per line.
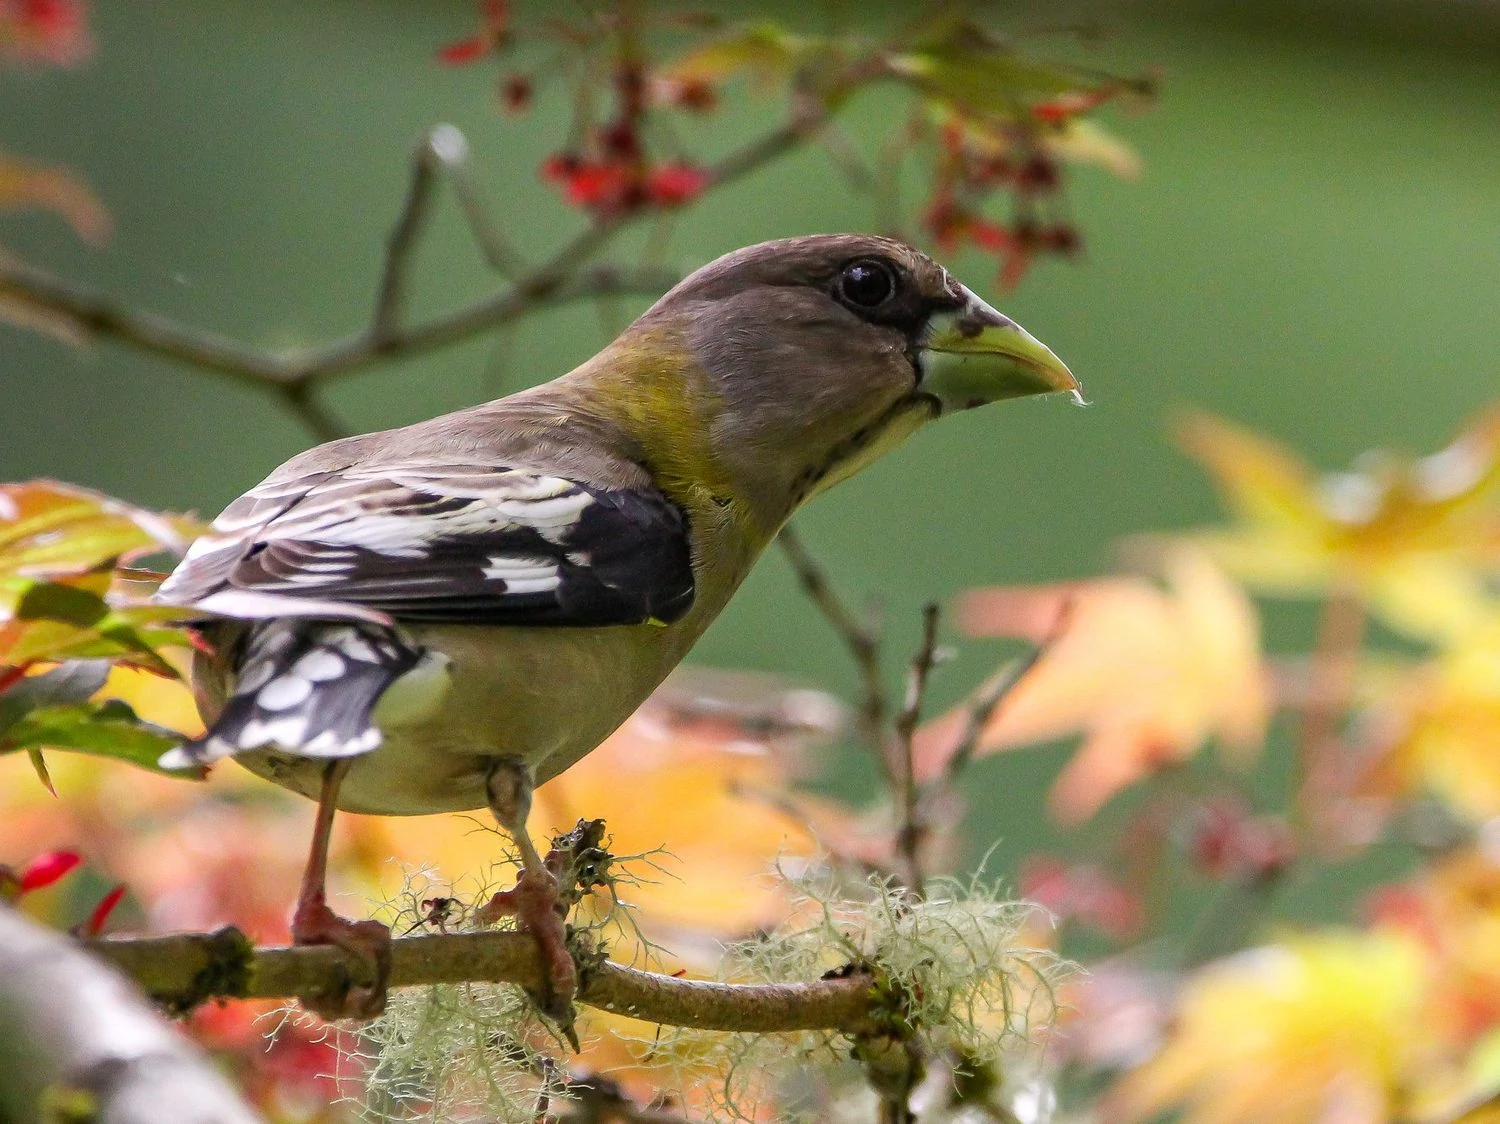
pixel 956 993
pixel 450 1052
pixel 955 990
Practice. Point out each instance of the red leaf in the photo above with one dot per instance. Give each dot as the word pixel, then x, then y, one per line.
pixel 990 236
pixel 95 924
pixel 46 869
pixel 1085 893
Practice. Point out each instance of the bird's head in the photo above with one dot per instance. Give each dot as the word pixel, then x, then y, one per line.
pixel 819 354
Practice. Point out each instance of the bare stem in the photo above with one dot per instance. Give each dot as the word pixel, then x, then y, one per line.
pixel 185 970
pixel 860 637
pixel 991 696
pixel 94 314
pixel 911 829
pixel 295 376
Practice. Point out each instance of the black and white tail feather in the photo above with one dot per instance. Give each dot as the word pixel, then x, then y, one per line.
pixel 326 563
pixel 306 687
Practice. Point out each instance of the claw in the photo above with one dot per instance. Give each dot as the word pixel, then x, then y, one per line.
pixel 536 904
pixel 361 995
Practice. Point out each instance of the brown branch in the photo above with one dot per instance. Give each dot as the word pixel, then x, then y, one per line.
pixel 860 637
pixel 910 826
pixel 94 314
pixel 185 970
pixel 80 1044
pixel 1323 758
pixel 293 376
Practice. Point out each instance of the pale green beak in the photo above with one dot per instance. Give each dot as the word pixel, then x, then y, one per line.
pixel 975 355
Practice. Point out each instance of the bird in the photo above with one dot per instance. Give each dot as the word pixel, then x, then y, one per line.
pixel 442 616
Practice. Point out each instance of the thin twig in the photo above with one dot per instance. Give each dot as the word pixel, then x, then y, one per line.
pixel 302 402
pixel 991 696
pixel 185 970
pixel 861 638
pixel 89 313
pixel 910 827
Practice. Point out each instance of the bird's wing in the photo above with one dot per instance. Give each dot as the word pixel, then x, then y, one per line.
pixel 442 542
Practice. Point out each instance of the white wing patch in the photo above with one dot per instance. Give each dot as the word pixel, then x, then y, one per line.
pixel 522 574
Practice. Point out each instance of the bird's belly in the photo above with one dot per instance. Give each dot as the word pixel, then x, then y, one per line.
pixel 547 697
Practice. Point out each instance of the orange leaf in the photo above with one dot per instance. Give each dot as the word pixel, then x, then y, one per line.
pixel 24 184
pixel 688 780
pixel 1146 673
pixel 49 529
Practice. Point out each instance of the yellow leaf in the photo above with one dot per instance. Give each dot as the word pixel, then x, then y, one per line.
pixel 1408 534
pixel 764 51
pixel 1316 1028
pixel 1081 141
pixel 154 698
pixel 1441 730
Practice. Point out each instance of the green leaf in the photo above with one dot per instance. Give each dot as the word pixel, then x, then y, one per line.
pixel 67 603
pixel 48 527
pixel 764 51
pixel 52 528
pixel 101 729
pixel 984 78
pixel 71 620
pixel 39 763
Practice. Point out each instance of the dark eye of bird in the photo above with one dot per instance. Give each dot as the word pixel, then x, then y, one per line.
pixel 867 283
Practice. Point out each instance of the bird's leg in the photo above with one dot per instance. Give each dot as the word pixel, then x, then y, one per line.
pixel 314 923
pixel 535 900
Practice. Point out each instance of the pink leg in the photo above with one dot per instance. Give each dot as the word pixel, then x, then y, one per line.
pixel 314 923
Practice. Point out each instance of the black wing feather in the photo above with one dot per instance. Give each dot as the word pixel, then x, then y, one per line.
pixel 453 544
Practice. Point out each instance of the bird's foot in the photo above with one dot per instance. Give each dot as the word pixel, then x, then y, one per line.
pixel 536 903
pixel 361 993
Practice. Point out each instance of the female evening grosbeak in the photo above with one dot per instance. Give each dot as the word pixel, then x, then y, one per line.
pixel 438 617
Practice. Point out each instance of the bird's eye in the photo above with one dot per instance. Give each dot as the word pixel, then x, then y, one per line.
pixel 867 284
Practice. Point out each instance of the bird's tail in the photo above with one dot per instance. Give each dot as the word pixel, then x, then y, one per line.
pixel 306 687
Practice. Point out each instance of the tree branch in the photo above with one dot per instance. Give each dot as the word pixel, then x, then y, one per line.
pixel 185 970
pixel 94 314
pixel 860 637
pixel 294 376
pixel 81 1045
pixel 911 827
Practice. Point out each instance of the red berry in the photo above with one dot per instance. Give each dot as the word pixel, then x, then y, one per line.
pixel 672 185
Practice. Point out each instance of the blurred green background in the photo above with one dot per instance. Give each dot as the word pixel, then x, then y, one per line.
pixel 1313 249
